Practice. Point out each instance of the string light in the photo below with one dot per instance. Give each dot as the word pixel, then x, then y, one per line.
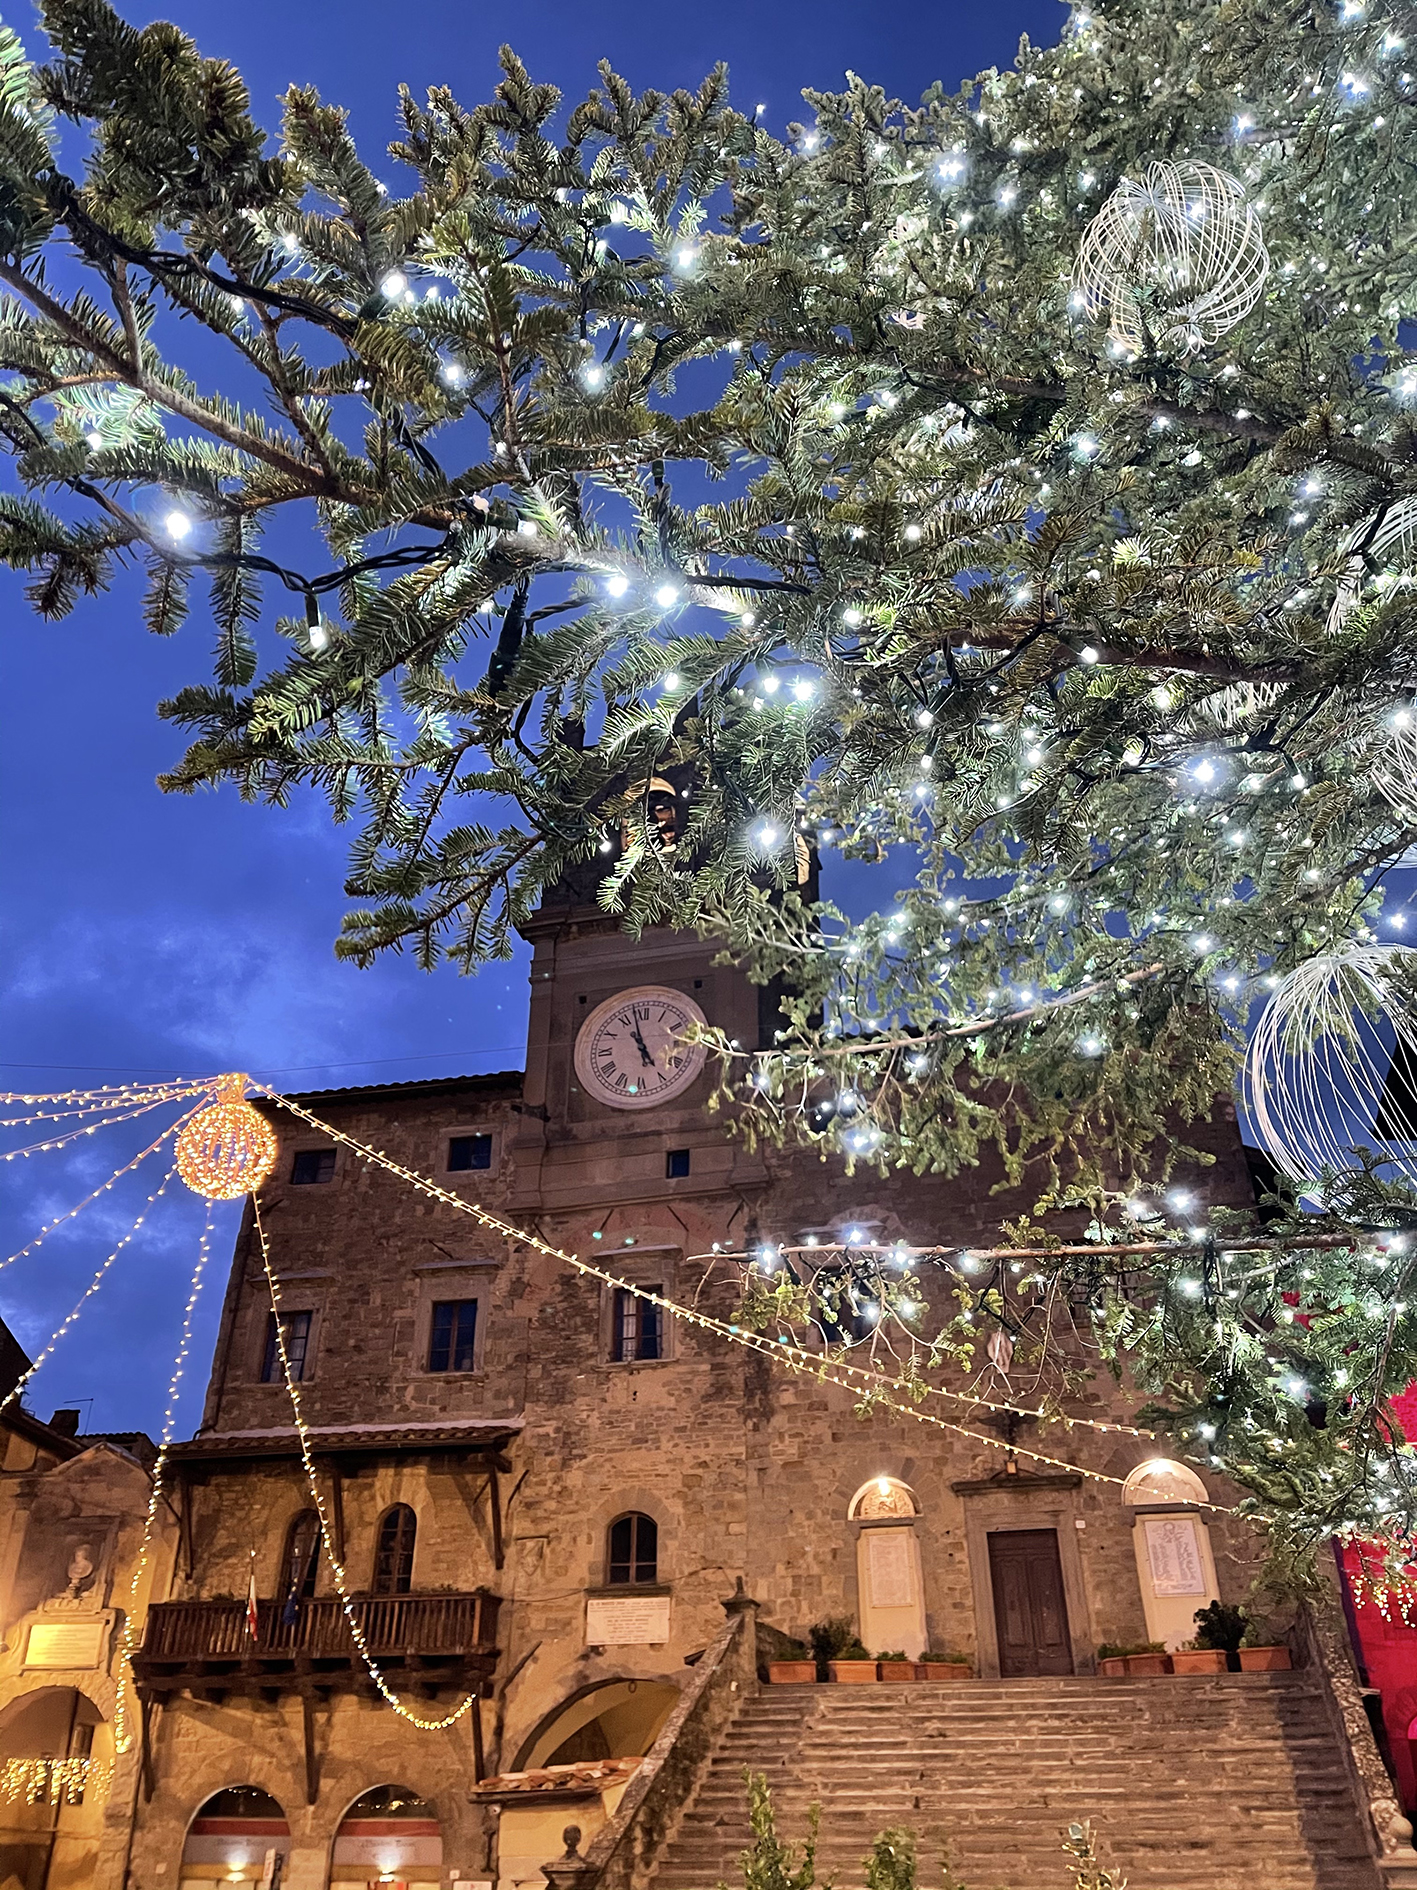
pixel 317 1497
pixel 52 1781
pixel 94 1284
pixel 123 1739
pixel 102 1188
pixel 74 1135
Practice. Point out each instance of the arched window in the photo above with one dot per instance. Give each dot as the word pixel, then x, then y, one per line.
pixel 393 1556
pixel 632 1550
pixel 231 1836
pixel 302 1558
pixel 1161 1480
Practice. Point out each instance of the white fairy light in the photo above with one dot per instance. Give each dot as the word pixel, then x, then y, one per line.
pixel 177 525
pixel 1179 256
pixel 666 596
pixel 617 584
pixel 393 284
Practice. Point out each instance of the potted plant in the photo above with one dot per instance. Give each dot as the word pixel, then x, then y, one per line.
pixel 897 1667
pixel 838 1652
pixel 945 1664
pixel 1193 1658
pixel 1147 1659
pixel 1222 1628
pixel 1112 1658
pixel 794 1664
pixel 1262 1652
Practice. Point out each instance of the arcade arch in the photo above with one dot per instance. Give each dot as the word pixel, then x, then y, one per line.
pixel 56 1765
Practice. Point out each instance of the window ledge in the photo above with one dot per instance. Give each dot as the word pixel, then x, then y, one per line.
pixel 622 1591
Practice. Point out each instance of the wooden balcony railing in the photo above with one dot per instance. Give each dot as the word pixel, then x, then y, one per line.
pixel 209 1644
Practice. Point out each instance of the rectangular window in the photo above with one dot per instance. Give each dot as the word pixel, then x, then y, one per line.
pixel 297 1346
pixel 453 1337
pixel 676 1163
pixel 469 1151
pixel 311 1165
pixel 639 1326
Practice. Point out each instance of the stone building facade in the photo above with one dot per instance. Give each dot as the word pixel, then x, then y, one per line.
pixel 542 1494
pixel 73 1576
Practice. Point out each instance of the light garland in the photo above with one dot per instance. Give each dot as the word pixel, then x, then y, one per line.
pixel 902 1256
pixel 122 1738
pixel 102 1188
pixel 74 1135
pixel 52 1781
pixel 317 1497
pixel 94 1284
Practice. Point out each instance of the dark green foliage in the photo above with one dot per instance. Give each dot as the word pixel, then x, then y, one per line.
pixel 1220 1626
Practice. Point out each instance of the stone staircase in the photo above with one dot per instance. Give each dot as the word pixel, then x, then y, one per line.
pixel 1224 1782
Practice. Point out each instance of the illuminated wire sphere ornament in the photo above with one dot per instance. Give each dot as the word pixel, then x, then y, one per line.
pixel 228 1148
pixel 1332 1065
pixel 1395 765
pixel 1178 258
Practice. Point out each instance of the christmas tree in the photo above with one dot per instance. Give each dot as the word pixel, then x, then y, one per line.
pixel 1017 487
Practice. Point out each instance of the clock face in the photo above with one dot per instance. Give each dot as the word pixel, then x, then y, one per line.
pixel 630 1052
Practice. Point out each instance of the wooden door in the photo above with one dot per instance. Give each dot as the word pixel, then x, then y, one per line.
pixel 1029 1610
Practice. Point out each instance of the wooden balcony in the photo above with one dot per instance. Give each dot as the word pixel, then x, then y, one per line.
pixel 421 1642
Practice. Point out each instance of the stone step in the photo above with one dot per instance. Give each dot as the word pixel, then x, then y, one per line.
pixel 1215 1782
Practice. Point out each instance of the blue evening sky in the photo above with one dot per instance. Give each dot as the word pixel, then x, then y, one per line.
pixel 142 935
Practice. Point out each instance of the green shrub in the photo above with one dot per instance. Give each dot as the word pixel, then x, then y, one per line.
pixel 1220 1627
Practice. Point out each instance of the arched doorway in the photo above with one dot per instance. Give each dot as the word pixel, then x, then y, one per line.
pixel 239 1835
pixel 56 1765
pixel 890 1585
pixel 389 1835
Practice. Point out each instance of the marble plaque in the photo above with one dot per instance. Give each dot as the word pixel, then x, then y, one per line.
pixel 1173 1553
pixel 888 1568
pixel 73 1642
pixel 626 1620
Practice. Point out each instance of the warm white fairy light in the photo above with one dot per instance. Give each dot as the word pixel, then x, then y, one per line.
pixel 74 1135
pixel 1188 238
pixel 317 1497
pixel 1316 1075
pixel 94 1284
pixel 102 1188
pixel 123 1739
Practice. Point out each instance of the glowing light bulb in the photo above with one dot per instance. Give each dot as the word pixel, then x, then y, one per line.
pixel 394 284
pixel 617 584
pixel 666 596
pixel 177 525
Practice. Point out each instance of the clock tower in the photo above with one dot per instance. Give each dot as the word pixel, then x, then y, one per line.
pixel 614 1106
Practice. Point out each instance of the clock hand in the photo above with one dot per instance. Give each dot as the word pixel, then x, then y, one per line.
pixel 645 1056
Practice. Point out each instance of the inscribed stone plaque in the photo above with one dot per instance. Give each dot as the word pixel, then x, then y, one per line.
pixel 626 1620
pixel 888 1568
pixel 1173 1552
pixel 63 1643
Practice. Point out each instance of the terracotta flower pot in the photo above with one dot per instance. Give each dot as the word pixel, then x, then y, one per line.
pixel 946 1669
pixel 1198 1660
pixel 898 1671
pixel 1264 1660
pixel 791 1672
pixel 852 1673
pixel 1147 1665
pixel 1114 1667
